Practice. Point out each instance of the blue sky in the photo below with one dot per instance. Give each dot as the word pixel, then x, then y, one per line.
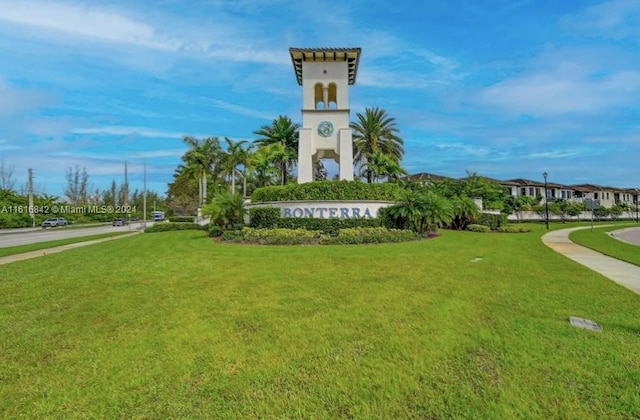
pixel 507 89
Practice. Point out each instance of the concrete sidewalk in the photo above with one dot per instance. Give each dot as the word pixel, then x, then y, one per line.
pixel 44 252
pixel 623 273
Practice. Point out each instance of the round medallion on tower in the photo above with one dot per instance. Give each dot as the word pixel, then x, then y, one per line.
pixel 325 128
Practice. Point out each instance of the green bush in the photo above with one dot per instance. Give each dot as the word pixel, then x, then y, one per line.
pixel 327 226
pixel 494 221
pixel 478 228
pixel 233 235
pixel 264 217
pixel 280 236
pixel 166 227
pixel 328 190
pixel 370 235
pixel 182 219
pixel 513 229
pixel 392 222
pixel 300 236
pixel 215 231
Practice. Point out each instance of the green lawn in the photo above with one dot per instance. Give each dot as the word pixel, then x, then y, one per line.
pixel 599 240
pixel 172 324
pixel 19 249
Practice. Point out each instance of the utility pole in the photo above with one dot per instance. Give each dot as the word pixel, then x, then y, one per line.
pixel 144 197
pixel 31 212
pixel 126 187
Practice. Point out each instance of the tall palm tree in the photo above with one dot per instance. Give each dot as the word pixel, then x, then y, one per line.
pixel 235 155
pixel 282 131
pixel 379 165
pixel 200 158
pixel 375 131
pixel 261 164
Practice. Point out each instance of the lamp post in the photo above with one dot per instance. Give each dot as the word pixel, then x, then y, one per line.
pixel 546 200
pixel 637 198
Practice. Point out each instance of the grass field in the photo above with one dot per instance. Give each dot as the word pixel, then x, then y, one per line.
pixel 173 325
pixel 599 239
pixel 19 249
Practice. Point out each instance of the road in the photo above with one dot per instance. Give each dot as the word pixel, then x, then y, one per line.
pixel 14 237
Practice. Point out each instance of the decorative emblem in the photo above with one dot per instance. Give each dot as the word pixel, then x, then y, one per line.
pixel 325 128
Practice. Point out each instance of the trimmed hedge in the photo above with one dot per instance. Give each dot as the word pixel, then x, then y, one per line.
pixel 264 217
pixel 328 190
pixel 371 235
pixel 281 236
pixel 300 236
pixel 166 227
pixel 478 228
pixel 182 219
pixel 514 229
pixel 494 221
pixel 328 226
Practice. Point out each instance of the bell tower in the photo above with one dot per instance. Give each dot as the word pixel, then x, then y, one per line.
pixel 325 75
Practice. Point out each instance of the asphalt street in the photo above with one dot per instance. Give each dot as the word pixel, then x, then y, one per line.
pixel 14 237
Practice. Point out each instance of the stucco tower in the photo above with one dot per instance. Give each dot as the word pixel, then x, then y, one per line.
pixel 325 75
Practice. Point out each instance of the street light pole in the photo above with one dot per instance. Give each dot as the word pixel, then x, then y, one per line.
pixel 546 200
pixel 637 198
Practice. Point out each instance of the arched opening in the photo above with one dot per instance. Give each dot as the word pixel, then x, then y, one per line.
pixel 333 96
pixel 318 99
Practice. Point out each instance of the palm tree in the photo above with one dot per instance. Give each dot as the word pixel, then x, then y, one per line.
pixel 375 131
pixel 282 131
pixel 465 211
pixel 379 165
pixel 235 155
pixel 200 158
pixel 225 209
pixel 261 164
pixel 426 211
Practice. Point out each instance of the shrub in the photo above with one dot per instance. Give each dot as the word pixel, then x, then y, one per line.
pixel 225 209
pixel 514 229
pixel 478 228
pixel 165 227
pixel 390 221
pixel 328 190
pixel 233 235
pixel 182 219
pixel 280 236
pixel 370 235
pixel 215 231
pixel 264 217
pixel 493 221
pixel 327 226
pixel 283 236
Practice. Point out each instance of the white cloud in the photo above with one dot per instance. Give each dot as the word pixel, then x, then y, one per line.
pixel 14 100
pixel 117 130
pixel 466 149
pixel 67 23
pixel 84 21
pixel 616 19
pixel 241 110
pixel 564 82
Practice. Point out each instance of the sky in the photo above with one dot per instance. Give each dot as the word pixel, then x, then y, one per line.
pixel 503 88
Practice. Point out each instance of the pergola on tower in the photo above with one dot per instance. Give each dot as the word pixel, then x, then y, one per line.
pixel 325 75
